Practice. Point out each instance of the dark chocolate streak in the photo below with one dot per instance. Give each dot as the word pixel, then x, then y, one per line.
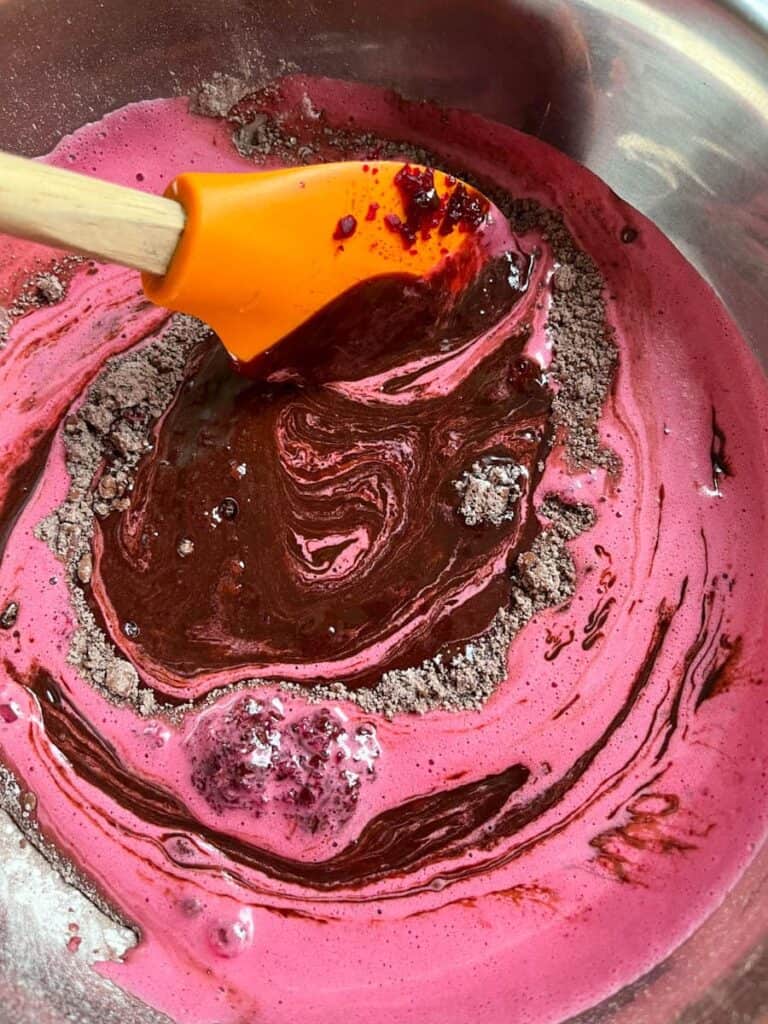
pixel 22 483
pixel 518 817
pixel 424 830
pixel 340 529
pixel 690 659
pixel 691 654
pixel 565 707
pixel 721 674
pixel 662 495
pixel 559 646
pixel 717 456
pixel 593 629
pixel 396 840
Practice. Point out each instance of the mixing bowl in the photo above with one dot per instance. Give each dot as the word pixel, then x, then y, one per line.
pixel 667 101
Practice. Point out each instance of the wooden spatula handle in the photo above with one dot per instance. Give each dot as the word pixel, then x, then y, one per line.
pixel 86 215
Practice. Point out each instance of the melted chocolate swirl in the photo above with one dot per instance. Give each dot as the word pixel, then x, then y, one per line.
pixel 318 525
pixel 419 832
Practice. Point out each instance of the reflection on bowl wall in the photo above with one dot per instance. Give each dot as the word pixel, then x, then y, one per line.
pixel 667 102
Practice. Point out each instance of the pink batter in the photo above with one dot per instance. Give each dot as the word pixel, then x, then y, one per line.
pixel 603 884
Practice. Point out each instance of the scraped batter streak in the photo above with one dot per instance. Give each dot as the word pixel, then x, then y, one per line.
pixel 274 850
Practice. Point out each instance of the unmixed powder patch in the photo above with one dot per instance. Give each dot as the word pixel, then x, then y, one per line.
pixel 104 442
pixel 585 355
pixel 489 492
pixel 569 520
pixel 6 323
pixel 217 96
pixel 50 288
pixel 46 288
pixel 9 615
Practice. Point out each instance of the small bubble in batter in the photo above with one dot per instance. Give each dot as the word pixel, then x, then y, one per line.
pixel 228 508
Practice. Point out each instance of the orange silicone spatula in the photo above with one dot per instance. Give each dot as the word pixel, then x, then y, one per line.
pixel 256 254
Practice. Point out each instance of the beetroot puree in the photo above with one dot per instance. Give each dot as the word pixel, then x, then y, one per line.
pixel 517 862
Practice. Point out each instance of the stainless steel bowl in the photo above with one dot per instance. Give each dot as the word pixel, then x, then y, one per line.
pixel 667 100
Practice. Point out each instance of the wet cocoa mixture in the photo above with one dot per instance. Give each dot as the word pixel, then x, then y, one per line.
pixel 330 504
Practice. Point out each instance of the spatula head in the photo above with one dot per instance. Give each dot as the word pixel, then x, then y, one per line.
pixel 262 252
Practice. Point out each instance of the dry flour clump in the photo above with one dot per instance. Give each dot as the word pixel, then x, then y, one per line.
pixel 490 491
